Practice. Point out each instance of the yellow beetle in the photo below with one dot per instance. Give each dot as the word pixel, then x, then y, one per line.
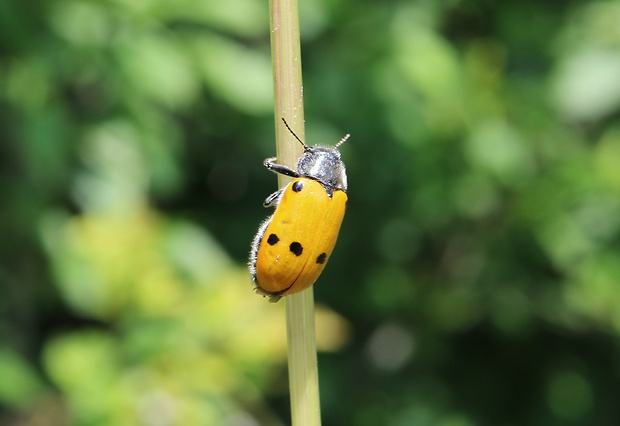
pixel 292 246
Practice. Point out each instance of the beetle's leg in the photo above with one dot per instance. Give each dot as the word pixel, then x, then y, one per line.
pixel 279 168
pixel 273 198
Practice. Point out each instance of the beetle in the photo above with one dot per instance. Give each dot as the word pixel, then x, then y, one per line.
pixel 293 245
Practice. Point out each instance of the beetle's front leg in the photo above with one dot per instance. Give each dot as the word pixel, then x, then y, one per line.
pixel 271 164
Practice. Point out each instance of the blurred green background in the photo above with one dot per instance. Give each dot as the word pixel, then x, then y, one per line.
pixel 477 276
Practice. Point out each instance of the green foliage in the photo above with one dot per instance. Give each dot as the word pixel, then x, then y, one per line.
pixel 478 267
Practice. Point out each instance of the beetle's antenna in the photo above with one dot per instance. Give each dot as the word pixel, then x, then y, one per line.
pixel 343 140
pixel 293 133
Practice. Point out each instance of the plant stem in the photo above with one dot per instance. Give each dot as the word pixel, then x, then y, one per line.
pixel 286 57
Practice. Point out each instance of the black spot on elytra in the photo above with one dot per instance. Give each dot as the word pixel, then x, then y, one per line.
pixel 296 248
pixel 298 186
pixel 273 239
pixel 321 259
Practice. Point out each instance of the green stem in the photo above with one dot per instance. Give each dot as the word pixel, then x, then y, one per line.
pixel 286 57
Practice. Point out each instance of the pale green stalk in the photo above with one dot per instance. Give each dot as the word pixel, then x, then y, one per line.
pixel 286 57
